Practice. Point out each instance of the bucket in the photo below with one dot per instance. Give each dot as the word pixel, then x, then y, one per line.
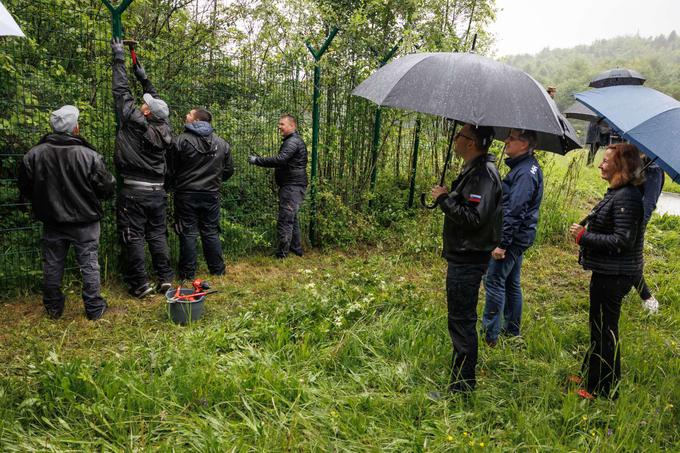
pixel 184 311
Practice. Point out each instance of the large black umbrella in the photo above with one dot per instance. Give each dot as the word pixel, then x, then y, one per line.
pixel 471 89
pixel 579 111
pixel 618 76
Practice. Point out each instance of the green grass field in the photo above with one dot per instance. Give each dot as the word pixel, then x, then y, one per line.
pixel 336 351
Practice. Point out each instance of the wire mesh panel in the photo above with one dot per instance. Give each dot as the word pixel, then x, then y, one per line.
pixel 66 59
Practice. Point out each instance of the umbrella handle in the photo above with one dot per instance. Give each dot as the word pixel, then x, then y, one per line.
pixel 447 160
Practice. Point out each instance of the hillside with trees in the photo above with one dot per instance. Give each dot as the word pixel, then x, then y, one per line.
pixel 570 70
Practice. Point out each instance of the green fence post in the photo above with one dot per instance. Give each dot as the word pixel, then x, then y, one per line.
pixel 414 164
pixel 116 14
pixel 376 127
pixel 317 54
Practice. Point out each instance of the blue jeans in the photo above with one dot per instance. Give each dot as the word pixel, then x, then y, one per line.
pixel 462 292
pixel 503 295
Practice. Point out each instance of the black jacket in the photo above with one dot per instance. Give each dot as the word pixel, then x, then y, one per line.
pixel 141 143
pixel 613 240
pixel 199 160
pixel 64 178
pixel 473 212
pixel 290 164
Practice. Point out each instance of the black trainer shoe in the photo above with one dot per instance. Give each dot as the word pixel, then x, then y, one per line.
pixel 98 315
pixel 163 287
pixel 142 291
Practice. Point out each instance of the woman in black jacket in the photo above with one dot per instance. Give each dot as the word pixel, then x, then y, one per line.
pixel 611 247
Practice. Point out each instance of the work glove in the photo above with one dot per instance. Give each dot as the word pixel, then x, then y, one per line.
pixel 139 71
pixel 252 160
pixel 118 49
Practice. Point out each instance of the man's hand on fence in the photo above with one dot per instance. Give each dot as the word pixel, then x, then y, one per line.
pixel 139 71
pixel 252 160
pixel 118 49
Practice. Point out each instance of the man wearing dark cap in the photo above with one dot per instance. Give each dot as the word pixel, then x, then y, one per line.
pixel 142 140
pixel 64 178
pixel 199 162
pixel 472 228
pixel 291 177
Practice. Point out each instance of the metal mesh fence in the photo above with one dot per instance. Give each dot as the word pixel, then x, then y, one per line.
pixel 66 60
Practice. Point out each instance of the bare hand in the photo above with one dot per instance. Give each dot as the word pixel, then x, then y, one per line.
pixel 438 191
pixel 498 254
pixel 575 229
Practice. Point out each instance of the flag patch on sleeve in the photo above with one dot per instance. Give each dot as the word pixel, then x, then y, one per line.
pixel 474 198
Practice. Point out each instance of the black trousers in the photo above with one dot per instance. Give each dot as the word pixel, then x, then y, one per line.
pixel 141 215
pixel 288 226
pixel 602 363
pixel 198 213
pixel 462 293
pixel 56 241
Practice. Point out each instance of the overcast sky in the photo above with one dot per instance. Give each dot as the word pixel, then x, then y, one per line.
pixel 528 26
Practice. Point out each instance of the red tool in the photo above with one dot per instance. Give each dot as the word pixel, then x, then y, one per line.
pixel 131 44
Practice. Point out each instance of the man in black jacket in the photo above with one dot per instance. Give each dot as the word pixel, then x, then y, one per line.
pixel 142 139
pixel 198 163
pixel 291 177
pixel 472 228
pixel 64 178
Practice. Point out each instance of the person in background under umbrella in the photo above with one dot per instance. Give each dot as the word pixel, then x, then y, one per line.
pixel 198 163
pixel 651 191
pixel 611 247
pixel 552 91
pixel 472 229
pixel 64 178
pixel 522 196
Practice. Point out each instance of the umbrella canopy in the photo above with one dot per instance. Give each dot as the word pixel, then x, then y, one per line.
pixel 579 111
pixel 643 116
pixel 618 76
pixel 8 27
pixel 559 144
pixel 468 88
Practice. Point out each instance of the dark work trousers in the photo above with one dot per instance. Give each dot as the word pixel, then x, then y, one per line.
pixel 56 241
pixel 142 216
pixel 198 213
pixel 288 227
pixel 462 292
pixel 602 363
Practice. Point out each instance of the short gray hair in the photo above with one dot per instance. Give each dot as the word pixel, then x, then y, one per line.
pixel 530 137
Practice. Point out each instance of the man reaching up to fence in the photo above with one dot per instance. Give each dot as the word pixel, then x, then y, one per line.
pixel 472 226
pixel 522 196
pixel 291 177
pixel 142 140
pixel 198 163
pixel 64 178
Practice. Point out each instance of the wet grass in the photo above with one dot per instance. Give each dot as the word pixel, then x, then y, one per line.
pixel 336 351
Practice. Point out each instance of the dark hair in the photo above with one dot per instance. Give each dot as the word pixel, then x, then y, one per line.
pixel 202 114
pixel 530 137
pixel 483 137
pixel 289 117
pixel 627 165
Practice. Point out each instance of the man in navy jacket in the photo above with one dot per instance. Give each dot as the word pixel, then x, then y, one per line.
pixel 522 195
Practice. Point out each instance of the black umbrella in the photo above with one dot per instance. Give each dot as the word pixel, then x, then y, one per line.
pixel 579 111
pixel 472 89
pixel 618 76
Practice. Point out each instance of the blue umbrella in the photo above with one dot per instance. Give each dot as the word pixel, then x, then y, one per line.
pixel 645 117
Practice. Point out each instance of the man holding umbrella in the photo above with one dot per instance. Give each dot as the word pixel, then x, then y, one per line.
pixel 472 229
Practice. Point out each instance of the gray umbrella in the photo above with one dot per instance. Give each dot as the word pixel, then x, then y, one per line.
pixel 469 88
pixel 618 76
pixel 579 111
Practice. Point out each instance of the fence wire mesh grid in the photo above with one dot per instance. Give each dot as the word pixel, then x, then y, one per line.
pixel 71 64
